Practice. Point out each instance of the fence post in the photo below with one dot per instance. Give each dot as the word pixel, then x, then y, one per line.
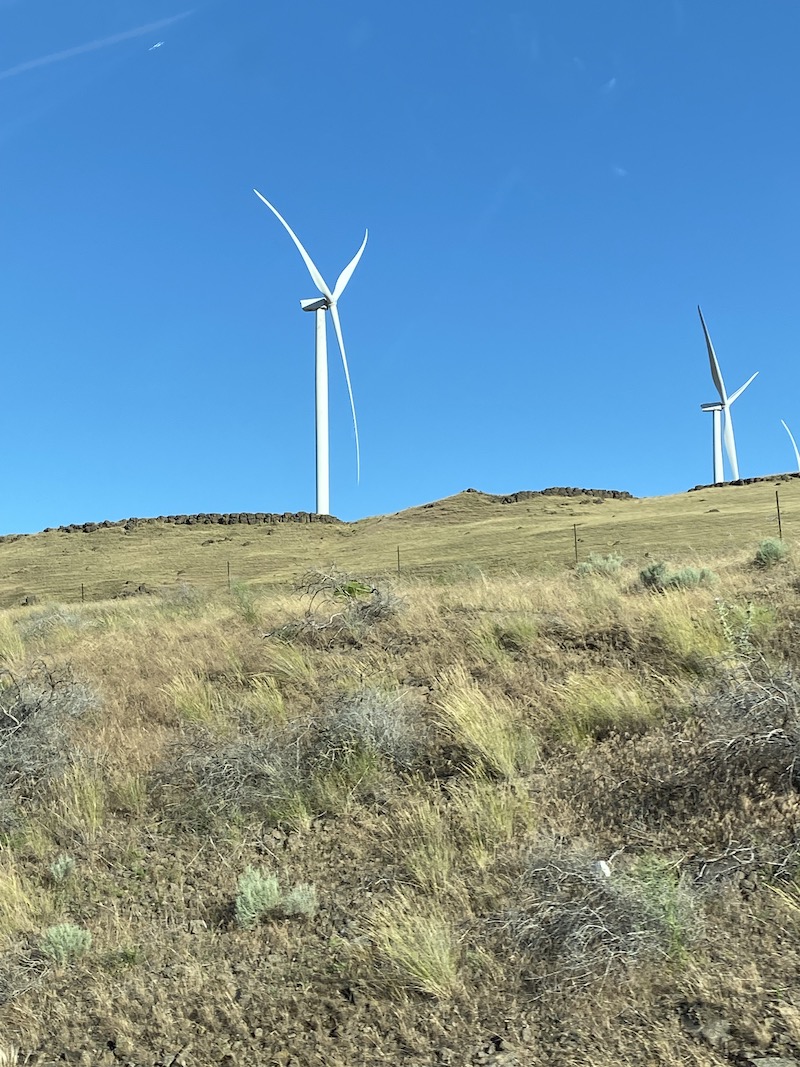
pixel 575 536
pixel 398 559
pixel 778 506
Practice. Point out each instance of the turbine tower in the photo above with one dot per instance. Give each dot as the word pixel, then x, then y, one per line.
pixel 320 305
pixel 794 443
pixel 723 405
pixel 716 409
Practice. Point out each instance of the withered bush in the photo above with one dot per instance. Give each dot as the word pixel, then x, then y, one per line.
pixel 299 770
pixel 751 722
pixel 36 708
pixel 578 923
pixel 205 778
pixel 380 721
pixel 339 606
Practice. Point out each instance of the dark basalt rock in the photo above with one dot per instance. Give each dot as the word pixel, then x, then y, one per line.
pixel 748 481
pixel 242 518
pixel 526 494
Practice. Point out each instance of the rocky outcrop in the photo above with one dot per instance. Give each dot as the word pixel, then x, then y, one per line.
pixel 525 494
pixel 233 518
pixel 748 481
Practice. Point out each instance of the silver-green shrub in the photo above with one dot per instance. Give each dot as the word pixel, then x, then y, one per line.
pixel 62 868
pixel 770 551
pixel 300 900
pixel 65 942
pixel 257 896
pixel 658 578
pixel 604 566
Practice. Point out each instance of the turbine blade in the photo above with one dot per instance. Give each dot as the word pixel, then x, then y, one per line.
pixel 338 328
pixel 716 373
pixel 347 273
pixel 740 391
pixel 730 445
pixel 316 277
pixel 794 443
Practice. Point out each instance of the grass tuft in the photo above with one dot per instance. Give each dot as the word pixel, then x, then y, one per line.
pixel 487 728
pixel 416 939
pixel 594 704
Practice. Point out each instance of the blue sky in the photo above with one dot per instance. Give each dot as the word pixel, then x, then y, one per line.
pixel 550 188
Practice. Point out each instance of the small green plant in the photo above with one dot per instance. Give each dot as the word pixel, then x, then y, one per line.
pixel 122 959
pixel 670 911
pixel 65 942
pixel 257 895
pixel 658 578
pixel 246 602
pixel 62 868
pixel 300 900
pixel 603 566
pixel 743 626
pixel 770 551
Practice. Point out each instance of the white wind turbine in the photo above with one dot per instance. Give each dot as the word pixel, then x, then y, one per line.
pixel 794 443
pixel 717 408
pixel 327 302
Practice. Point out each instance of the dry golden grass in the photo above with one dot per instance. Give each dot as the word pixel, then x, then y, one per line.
pixel 486 726
pixel 445 539
pixel 425 843
pixel 24 905
pixel 415 937
pixel 537 704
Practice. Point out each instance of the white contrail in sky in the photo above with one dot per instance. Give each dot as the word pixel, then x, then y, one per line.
pixel 90 46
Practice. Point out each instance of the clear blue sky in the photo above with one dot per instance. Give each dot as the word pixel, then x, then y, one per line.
pixel 550 187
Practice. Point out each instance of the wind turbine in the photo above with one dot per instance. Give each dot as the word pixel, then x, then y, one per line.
pixel 327 302
pixel 794 443
pixel 717 408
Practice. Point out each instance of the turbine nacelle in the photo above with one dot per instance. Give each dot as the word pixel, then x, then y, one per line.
pixel 716 405
pixel 316 304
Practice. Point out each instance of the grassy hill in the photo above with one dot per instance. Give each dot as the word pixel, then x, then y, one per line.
pixel 491 810
pixel 470 529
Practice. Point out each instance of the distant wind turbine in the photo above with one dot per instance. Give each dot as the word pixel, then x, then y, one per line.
pixel 717 408
pixel 328 302
pixel 794 443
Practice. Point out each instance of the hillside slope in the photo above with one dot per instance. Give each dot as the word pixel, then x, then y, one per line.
pixel 482 818
pixel 470 529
